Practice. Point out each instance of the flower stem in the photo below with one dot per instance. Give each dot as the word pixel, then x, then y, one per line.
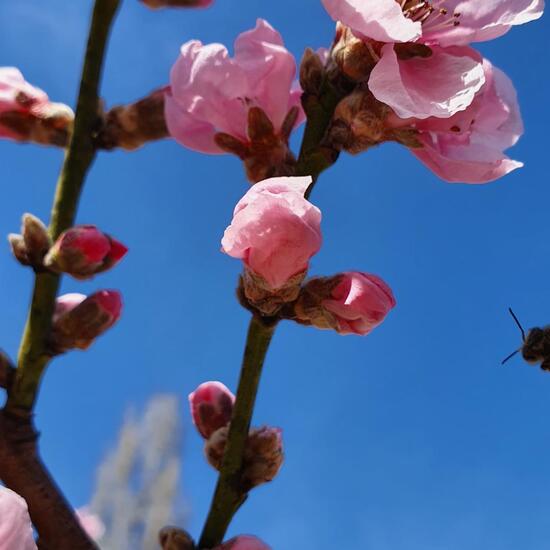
pixel 229 495
pixel 316 156
pixel 33 359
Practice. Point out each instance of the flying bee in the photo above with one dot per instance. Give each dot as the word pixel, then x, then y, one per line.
pixel 536 345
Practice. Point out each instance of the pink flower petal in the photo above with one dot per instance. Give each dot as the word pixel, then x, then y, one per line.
pixel 381 20
pixel 436 86
pixel 15 522
pixel 481 20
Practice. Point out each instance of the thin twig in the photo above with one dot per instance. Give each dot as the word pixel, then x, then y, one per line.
pixel 33 359
pixel 20 465
pixel 229 495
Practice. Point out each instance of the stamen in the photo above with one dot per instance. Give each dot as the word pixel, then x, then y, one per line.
pixel 430 14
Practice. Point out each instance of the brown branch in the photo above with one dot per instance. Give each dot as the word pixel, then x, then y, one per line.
pixel 22 471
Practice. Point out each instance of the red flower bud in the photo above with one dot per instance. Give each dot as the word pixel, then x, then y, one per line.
pixel 78 320
pixel 211 407
pixel 83 251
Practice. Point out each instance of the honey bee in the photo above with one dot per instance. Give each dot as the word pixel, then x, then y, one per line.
pixel 536 345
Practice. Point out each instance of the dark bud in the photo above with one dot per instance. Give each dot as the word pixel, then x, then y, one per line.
pixel 172 538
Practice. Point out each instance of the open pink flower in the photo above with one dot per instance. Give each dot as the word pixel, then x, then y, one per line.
pixel 15 522
pixel 212 92
pixel 359 302
pixel 211 407
pixel 446 22
pixel 469 147
pixel 275 230
pixel 439 82
pixel 243 542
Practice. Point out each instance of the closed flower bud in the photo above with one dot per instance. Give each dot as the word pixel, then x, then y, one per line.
pixel 354 57
pixel 243 542
pixel 78 320
pixel 131 126
pixel 26 113
pixel 36 238
pixel 312 70
pixel 350 303
pixel 359 123
pixel 211 407
pixel 263 455
pixel 155 4
pixel 173 538
pixel 83 251
pixel 18 248
pixel 275 231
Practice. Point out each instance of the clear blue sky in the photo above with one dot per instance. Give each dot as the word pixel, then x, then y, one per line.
pixel 413 438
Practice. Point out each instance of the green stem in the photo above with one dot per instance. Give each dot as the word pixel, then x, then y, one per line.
pixel 315 156
pixel 229 495
pixel 33 358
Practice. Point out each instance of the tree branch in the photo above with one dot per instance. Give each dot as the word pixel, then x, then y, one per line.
pixel 229 495
pixel 20 466
pixel 33 359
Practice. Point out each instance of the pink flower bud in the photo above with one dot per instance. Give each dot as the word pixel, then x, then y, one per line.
pixel 359 302
pixel 83 251
pixel 275 230
pixel 26 113
pixel 243 542
pixel 211 407
pixel 15 523
pixel 78 320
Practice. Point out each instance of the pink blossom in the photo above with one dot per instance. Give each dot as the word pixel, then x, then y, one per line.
pixel 439 85
pixel 359 302
pixel 275 230
pixel 461 22
pixel 26 113
pixel 468 147
pixel 436 82
pixel 83 251
pixel 90 522
pixel 243 542
pixel 78 320
pixel 211 407
pixel 212 92
pixel 15 522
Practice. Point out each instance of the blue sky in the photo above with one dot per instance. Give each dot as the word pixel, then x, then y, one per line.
pixel 413 438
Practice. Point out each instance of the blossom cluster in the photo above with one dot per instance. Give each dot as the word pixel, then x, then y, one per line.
pixel 275 231
pixel 401 71
pixel 82 252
